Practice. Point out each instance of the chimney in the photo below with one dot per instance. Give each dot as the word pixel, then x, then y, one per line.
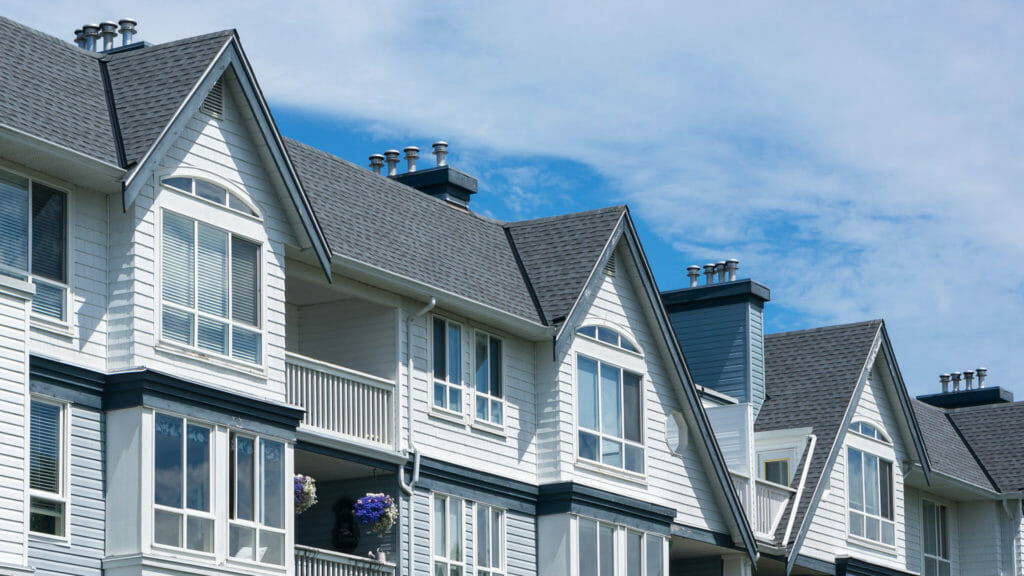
pixel 91 33
pixel 392 159
pixel 108 31
pixel 731 265
pixel 442 181
pixel 376 162
pixel 440 152
pixel 127 30
pixel 79 38
pixel 970 395
pixel 411 154
pixel 693 272
pixel 727 315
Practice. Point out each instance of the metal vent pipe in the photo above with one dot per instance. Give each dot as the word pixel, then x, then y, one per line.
pixel 391 157
pixel 127 30
pixel 376 162
pixel 693 272
pixel 108 31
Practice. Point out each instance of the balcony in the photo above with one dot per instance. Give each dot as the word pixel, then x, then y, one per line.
pixel 311 561
pixel 770 502
pixel 342 403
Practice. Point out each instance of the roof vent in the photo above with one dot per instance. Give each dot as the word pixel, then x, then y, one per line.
pixel 108 31
pixel 969 394
pixel 213 104
pixel 127 30
pixel 91 33
pixel 609 266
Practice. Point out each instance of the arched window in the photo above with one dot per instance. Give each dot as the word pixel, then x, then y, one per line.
pixel 211 192
pixel 869 430
pixel 608 336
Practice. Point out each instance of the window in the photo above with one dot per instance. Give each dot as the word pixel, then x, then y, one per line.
pixel 447 535
pixel 870 497
pixel 257 500
pixel 608 336
pixel 447 365
pixel 488 375
pixel 47 469
pixel 868 430
pixel 610 418
pixel 490 540
pixel 776 471
pixel 598 547
pixel 33 242
pixel 182 477
pixel 212 192
pixel 211 289
pixel 936 540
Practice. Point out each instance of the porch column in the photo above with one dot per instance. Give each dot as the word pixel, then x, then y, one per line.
pixel 15 307
pixel 736 565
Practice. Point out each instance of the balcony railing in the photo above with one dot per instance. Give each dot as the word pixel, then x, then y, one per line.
pixel 770 500
pixel 317 562
pixel 343 402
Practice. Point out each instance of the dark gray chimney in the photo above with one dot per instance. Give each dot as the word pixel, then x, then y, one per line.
pixel 443 181
pixel 968 396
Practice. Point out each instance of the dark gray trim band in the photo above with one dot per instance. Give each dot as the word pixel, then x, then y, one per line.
pixel 857 567
pixel 71 383
pixel 570 497
pixel 476 485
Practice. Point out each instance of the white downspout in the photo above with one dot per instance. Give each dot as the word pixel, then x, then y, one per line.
pixel 812 441
pixel 408 488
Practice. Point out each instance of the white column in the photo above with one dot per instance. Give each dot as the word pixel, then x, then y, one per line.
pixel 15 308
pixel 736 565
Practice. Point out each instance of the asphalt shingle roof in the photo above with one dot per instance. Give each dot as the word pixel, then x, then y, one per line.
pixel 994 433
pixel 150 84
pixel 810 377
pixel 53 90
pixel 559 254
pixel 946 450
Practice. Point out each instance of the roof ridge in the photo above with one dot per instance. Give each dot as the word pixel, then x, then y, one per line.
pixel 544 219
pixel 877 321
pixel 228 32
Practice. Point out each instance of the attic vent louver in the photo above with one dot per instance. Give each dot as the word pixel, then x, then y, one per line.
pixel 213 105
pixel 609 266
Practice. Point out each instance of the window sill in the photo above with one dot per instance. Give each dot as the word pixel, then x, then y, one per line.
pixel 177 350
pixel 442 414
pixel 174 561
pixel 54 327
pixel 489 427
pixel 889 550
pixel 606 470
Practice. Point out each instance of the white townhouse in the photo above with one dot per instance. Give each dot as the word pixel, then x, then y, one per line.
pixel 196 308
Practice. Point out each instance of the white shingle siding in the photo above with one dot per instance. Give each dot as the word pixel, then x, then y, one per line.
pixel 827 536
pixel 678 483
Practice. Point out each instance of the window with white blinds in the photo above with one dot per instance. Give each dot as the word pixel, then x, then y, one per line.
pixel 33 243
pixel 211 289
pixel 47 463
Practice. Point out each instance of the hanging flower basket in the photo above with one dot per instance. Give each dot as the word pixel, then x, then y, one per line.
pixel 377 513
pixel 305 493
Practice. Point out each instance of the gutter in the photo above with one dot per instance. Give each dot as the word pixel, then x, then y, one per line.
pixel 415 478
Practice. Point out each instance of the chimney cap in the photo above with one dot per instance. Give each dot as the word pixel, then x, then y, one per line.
pixel 408 149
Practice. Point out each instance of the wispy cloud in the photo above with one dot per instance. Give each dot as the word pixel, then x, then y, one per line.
pixel 864 160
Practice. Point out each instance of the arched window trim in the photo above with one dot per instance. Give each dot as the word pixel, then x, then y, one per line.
pixel 632 347
pixel 875 431
pixel 201 175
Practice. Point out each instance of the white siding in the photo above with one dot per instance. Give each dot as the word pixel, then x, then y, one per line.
pixel 980 542
pixel 14 318
pixel 352 333
pixel 827 537
pixel 678 483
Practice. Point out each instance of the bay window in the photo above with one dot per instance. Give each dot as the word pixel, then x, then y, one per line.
pixel 870 483
pixel 610 415
pixel 47 468
pixel 447 535
pixel 182 478
pixel 33 241
pixel 488 375
pixel 600 545
pixel 211 289
pixel 256 526
pixel 936 540
pixel 447 340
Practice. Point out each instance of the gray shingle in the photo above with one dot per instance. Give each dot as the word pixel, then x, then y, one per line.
pixel 53 90
pixel 945 448
pixel 150 84
pixel 559 254
pixel 994 433
pixel 810 376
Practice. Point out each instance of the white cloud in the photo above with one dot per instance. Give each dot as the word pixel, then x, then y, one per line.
pixel 863 160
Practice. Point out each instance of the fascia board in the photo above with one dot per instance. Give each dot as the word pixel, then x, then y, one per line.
pixel 69 165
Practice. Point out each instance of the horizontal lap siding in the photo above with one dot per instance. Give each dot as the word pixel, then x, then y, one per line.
pixel 714 344
pixel 87 510
pixel 680 483
pixel 352 333
pixel 13 399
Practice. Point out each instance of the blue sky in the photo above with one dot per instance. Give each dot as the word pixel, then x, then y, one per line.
pixel 864 160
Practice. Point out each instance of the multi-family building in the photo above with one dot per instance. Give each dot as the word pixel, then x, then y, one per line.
pixel 196 309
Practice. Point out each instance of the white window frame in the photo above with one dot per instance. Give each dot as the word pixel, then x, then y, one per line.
pixel 236 225
pixel 446 384
pixel 620 549
pixel 63 480
pixel 600 330
pixel 256 524
pixel 63 285
pixel 184 511
pixel 763 458
pixel 864 515
pixel 491 401
pixel 482 570
pixel 942 532
pixel 642 444
pixel 445 559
